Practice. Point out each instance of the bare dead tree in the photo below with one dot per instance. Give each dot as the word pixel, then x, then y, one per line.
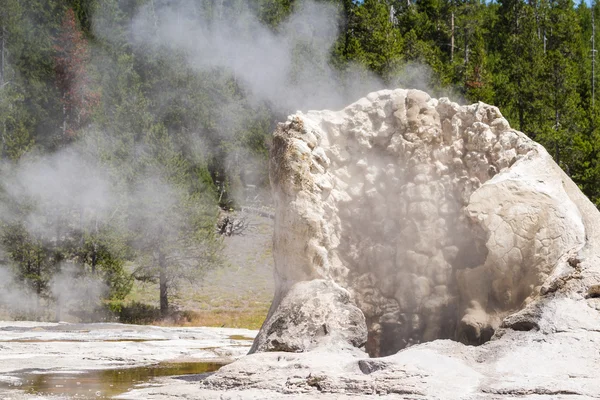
pixel 231 225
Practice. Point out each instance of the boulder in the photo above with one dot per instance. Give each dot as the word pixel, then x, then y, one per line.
pixel 312 314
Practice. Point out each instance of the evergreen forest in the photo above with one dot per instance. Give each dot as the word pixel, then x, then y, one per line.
pixel 129 126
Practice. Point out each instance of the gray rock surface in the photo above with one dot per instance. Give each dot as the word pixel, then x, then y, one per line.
pixel 313 312
pixel 521 364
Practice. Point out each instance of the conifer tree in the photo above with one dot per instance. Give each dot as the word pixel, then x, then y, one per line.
pixel 379 43
pixel 561 127
pixel 520 66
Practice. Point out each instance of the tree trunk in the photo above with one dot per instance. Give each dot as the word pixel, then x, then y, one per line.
pixel 154 14
pixel 467 34
pixel 593 68
pixel 2 54
pixel 64 124
pixel 164 298
pixel 452 38
pixel 58 310
pixel 537 21
pixel 94 245
pixel 556 125
pixel 520 103
pixel 38 288
pixel 2 77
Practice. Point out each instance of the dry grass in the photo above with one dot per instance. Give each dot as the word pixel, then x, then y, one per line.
pixel 249 319
pixel 236 295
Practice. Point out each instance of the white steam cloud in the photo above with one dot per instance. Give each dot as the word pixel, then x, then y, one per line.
pixel 52 196
pixel 61 198
pixel 288 68
pixel 53 184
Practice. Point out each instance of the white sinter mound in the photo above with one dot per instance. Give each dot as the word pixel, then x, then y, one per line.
pixel 440 220
pixel 404 219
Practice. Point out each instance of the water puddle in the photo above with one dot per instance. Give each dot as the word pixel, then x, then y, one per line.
pixel 240 337
pixel 104 384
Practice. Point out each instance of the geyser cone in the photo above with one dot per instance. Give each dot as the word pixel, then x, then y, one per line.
pixel 439 220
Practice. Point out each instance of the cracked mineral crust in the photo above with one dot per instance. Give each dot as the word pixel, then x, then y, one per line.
pixel 438 220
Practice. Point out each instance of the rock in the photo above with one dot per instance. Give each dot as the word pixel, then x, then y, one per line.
pixel 432 221
pixel 370 366
pixel 594 291
pixel 312 314
pixel 483 214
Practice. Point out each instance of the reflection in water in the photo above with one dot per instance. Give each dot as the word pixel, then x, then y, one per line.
pixel 104 384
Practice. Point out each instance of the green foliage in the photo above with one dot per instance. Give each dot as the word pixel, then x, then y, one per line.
pixel 176 140
pixel 34 261
pixel 273 12
pixel 376 42
pixel 138 313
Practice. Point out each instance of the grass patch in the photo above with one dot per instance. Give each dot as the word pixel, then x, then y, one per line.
pixel 145 314
pixel 249 319
pixel 138 313
pixel 236 295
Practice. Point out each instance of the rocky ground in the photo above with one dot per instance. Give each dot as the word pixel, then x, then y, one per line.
pixel 557 361
pixel 30 348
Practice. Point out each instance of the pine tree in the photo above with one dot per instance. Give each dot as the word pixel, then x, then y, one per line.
pixel 520 65
pixel 379 44
pixel 15 121
pixel 173 226
pixel 561 127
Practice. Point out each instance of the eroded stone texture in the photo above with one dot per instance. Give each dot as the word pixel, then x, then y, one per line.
pixel 439 219
pixel 313 311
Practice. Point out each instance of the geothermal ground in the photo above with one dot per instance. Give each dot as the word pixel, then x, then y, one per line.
pixel 462 228
pixel 100 361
